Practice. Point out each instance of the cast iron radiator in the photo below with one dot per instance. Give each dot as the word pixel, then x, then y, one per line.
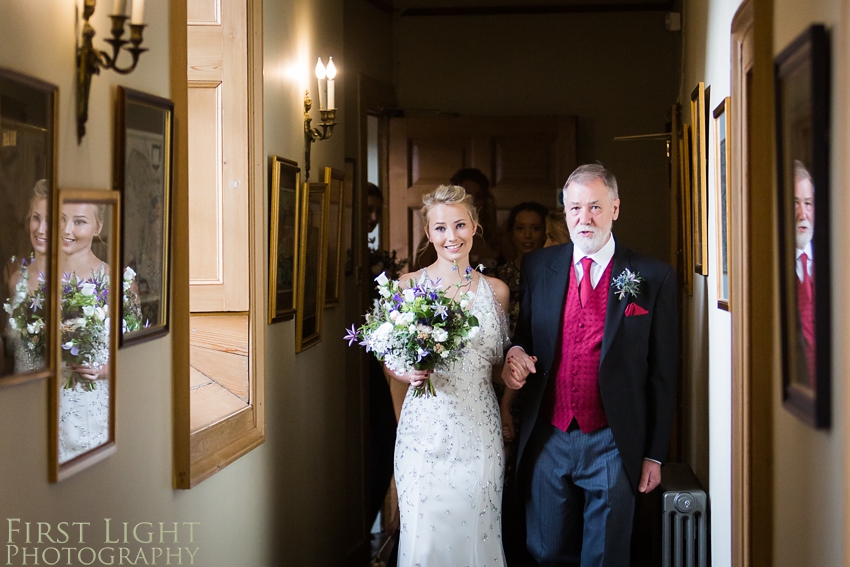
pixel 684 524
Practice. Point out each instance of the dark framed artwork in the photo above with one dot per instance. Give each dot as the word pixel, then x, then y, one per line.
pixel 143 175
pixel 311 271
pixel 802 76
pixel 82 393
pixel 28 115
pixel 685 208
pixel 348 215
pixel 699 176
pixel 284 235
pixel 722 185
pixel 335 180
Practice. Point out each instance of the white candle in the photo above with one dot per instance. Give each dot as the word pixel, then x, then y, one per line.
pixel 138 12
pixel 323 84
pixel 119 8
pixel 331 77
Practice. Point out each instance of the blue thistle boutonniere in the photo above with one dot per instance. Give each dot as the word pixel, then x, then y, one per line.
pixel 627 283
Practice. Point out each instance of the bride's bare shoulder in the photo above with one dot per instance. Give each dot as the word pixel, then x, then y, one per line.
pixel 500 290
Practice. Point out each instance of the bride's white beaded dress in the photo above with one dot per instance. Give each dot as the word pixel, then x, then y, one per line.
pixel 449 457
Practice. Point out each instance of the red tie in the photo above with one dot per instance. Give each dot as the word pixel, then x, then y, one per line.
pixel 585 288
pixel 807 281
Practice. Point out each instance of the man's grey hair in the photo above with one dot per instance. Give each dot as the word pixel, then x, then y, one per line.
pixel 584 174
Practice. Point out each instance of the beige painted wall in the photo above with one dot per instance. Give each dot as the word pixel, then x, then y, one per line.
pixel 809 466
pixel 810 469
pixel 616 72
pixel 279 503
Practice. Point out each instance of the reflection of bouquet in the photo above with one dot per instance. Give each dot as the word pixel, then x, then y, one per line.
pixel 26 312
pixel 132 304
pixel 85 324
pixel 417 328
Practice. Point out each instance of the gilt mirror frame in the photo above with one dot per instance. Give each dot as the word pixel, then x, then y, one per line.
pixel 13 119
pixel 109 253
pixel 311 258
pixel 284 204
pixel 142 170
pixel 335 180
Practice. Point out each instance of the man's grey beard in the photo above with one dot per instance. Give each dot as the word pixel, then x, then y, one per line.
pixel 803 238
pixel 592 244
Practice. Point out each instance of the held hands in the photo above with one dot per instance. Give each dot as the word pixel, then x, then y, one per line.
pixel 87 372
pixel 650 476
pixel 518 365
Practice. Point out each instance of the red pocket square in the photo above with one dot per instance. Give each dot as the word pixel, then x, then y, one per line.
pixel 635 309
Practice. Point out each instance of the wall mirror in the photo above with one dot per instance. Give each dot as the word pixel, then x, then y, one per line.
pixel 311 271
pixel 143 175
pixel 82 408
pixel 27 182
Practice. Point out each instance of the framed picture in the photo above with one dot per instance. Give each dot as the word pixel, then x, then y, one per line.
pixel 27 191
pixel 802 76
pixel 82 395
pixel 284 235
pixel 348 214
pixel 685 208
pixel 143 171
pixel 722 185
pixel 335 180
pixel 699 177
pixel 311 261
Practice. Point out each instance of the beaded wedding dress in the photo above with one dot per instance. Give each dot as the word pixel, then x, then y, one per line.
pixel 449 457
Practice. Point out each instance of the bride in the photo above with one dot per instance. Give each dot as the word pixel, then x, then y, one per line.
pixel 84 390
pixel 449 458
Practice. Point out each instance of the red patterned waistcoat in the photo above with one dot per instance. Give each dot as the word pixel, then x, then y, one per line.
pixel 575 394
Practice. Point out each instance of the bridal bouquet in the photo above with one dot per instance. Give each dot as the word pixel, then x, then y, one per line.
pixel 26 312
pixel 85 324
pixel 418 328
pixel 132 304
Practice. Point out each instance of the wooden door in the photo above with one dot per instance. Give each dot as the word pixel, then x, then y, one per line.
pixel 525 159
pixel 218 155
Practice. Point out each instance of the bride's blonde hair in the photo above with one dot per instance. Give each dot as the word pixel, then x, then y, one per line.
pixel 449 195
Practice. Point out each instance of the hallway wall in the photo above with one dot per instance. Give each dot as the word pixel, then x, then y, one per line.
pixel 809 466
pixel 617 72
pixel 280 503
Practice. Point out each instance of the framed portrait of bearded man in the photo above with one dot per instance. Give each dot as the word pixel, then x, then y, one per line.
pixel 802 142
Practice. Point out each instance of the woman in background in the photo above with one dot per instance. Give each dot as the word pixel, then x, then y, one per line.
pixel 556 229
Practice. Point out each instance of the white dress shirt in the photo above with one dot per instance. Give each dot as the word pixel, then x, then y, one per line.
pixel 601 259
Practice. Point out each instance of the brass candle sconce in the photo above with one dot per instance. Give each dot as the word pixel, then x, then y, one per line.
pixel 327 110
pixel 90 60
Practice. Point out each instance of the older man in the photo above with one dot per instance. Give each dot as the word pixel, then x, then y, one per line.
pixel 804 217
pixel 596 346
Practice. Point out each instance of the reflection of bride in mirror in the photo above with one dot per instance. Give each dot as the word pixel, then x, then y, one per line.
pixel 84 385
pixel 26 306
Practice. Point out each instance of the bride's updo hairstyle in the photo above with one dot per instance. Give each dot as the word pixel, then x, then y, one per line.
pixel 449 195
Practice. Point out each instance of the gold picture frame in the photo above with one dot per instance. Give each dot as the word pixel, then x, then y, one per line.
pixel 143 173
pixel 699 177
pixel 685 208
pixel 28 144
pixel 82 393
pixel 722 185
pixel 335 180
pixel 311 271
pixel 284 237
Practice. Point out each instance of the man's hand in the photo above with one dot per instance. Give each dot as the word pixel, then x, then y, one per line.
pixel 518 365
pixel 650 476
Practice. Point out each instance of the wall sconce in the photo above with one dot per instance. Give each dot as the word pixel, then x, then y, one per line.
pixel 90 60
pixel 327 109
